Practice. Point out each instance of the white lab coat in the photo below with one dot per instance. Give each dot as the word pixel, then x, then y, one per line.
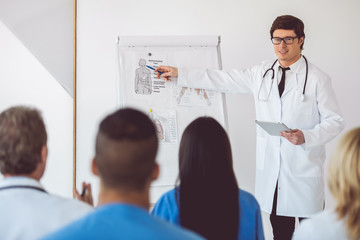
pixel 298 169
pixel 30 214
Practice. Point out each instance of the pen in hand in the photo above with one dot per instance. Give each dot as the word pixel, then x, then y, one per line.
pixel 83 191
pixel 86 194
pixel 154 69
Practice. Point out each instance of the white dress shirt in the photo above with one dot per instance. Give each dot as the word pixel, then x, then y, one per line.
pixel 27 212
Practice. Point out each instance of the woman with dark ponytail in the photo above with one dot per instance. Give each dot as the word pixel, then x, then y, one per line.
pixel 207 199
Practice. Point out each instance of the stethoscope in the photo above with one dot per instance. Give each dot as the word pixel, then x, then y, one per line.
pixel 23 186
pixel 272 81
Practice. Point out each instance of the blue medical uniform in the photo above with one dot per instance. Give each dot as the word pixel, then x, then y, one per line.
pixel 250 223
pixel 121 221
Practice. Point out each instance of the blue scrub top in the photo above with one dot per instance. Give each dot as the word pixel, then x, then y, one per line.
pixel 250 222
pixel 121 221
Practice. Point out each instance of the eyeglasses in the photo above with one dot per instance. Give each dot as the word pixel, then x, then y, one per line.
pixel 287 40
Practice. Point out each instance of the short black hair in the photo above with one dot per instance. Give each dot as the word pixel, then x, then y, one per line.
pixel 126 147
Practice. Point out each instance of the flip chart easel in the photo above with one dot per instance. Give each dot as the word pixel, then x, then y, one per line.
pixel 171 107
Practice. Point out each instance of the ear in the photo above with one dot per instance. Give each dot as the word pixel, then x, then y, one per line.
pixel 41 166
pixel 156 172
pixel 94 167
pixel 301 40
pixel 43 154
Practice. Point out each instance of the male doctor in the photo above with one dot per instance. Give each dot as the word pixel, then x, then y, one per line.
pixel 289 168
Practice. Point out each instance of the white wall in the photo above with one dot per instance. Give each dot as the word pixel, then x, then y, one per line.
pixel 24 81
pixel 332 34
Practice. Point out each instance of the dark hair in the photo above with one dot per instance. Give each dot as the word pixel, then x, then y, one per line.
pixel 289 22
pixel 126 147
pixel 208 191
pixel 22 135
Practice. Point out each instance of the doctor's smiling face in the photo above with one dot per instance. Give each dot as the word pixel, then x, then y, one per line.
pixel 287 53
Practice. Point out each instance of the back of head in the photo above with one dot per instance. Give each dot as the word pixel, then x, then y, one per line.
pixel 22 136
pixel 344 180
pixel 126 147
pixel 288 22
pixel 207 179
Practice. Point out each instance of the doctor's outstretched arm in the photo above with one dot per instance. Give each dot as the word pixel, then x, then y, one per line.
pixel 233 81
pixel 168 72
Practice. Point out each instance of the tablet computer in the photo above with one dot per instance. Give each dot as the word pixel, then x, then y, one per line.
pixel 273 128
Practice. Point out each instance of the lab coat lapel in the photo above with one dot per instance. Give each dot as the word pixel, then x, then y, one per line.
pixel 276 85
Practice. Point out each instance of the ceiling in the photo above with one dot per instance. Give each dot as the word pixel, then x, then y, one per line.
pixel 46 29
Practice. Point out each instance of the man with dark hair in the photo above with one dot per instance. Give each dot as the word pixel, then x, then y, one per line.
pixel 289 167
pixel 126 147
pixel 289 22
pixel 27 211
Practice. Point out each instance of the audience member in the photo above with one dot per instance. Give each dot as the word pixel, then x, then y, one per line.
pixel 27 210
pixel 208 199
pixel 342 222
pixel 126 147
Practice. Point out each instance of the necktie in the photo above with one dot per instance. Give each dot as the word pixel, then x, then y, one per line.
pixel 282 81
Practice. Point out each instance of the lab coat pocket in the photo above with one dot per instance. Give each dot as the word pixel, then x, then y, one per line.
pixel 303 115
pixel 261 144
pixel 303 108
